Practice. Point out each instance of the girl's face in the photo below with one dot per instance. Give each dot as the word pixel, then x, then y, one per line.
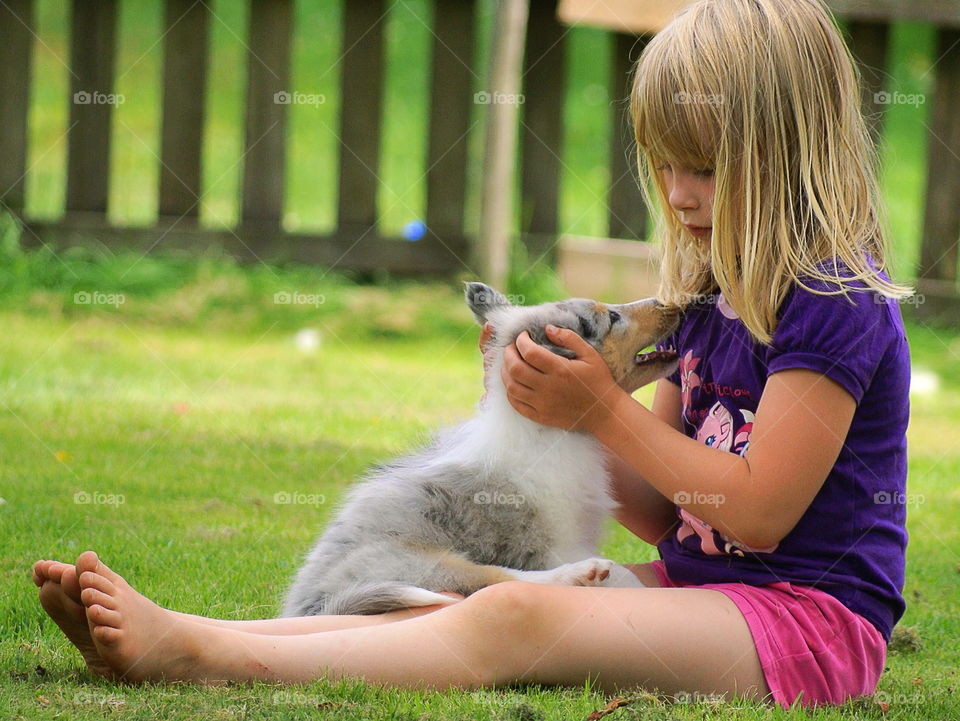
pixel 690 192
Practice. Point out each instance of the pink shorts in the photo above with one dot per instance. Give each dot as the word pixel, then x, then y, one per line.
pixel 812 648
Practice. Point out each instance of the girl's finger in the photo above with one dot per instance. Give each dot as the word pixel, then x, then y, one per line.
pixel 536 356
pixel 567 338
pixel 517 373
pixel 518 368
pixel 521 393
pixel 524 409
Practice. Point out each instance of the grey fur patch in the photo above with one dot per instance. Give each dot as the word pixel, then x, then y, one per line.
pixel 397 528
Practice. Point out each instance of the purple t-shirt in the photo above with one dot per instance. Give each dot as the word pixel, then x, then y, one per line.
pixel 852 539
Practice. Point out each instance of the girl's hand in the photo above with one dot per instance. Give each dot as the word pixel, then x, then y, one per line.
pixel 577 394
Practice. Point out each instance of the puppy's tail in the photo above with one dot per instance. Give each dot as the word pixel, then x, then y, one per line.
pixel 364 599
pixel 382 597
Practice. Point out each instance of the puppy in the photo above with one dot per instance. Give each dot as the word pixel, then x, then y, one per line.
pixel 496 498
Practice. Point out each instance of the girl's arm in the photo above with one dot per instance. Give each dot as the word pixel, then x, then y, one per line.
pixel 644 511
pixel 801 423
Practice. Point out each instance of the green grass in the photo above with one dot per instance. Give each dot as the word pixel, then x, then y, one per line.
pixel 182 412
pixel 189 401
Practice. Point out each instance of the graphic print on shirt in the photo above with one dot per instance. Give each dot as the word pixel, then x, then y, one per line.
pixel 717 430
pixel 688 379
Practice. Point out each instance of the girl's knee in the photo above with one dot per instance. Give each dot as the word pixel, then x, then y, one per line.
pixel 502 623
pixel 509 607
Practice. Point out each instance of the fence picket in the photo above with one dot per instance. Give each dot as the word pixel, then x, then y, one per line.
pixel 16 43
pixel 267 80
pixel 92 49
pixel 184 93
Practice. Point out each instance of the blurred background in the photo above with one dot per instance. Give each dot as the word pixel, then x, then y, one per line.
pixel 419 72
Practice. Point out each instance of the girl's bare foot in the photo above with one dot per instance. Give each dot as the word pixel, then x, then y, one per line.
pixel 135 637
pixel 60 598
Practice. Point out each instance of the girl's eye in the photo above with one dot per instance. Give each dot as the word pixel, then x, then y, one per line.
pixel 665 166
pixel 705 173
pixel 614 317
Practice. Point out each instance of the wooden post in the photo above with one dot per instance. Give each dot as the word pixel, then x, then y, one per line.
pixel 544 87
pixel 450 104
pixel 626 212
pixel 496 205
pixel 268 94
pixel 92 101
pixel 360 108
pixel 868 43
pixel 184 93
pixel 16 42
pixel 941 231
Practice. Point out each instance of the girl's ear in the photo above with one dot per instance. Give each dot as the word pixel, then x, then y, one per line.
pixel 482 299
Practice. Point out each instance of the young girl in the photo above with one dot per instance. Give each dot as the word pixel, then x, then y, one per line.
pixel 770 473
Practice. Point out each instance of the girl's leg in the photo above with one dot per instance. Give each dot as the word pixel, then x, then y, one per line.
pixel 689 640
pixel 60 597
pixel 310 624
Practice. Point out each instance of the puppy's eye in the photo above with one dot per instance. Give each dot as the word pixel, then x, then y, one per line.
pixel 614 317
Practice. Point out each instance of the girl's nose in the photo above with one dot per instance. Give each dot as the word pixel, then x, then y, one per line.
pixel 682 195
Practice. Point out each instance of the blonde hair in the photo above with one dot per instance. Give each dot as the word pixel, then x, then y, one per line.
pixel 765 93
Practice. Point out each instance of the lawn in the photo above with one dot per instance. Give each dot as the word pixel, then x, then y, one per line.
pixel 168 429
pixel 165 421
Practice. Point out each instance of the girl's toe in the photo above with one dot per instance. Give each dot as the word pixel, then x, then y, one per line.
pixel 107 635
pixel 87 561
pixel 70 583
pixel 39 572
pixel 102 616
pixel 93 596
pixel 55 570
pixel 90 561
pixel 89 579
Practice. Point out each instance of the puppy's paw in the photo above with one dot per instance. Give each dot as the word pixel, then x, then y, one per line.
pixel 589 572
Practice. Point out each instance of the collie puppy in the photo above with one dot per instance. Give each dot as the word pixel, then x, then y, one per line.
pixel 496 498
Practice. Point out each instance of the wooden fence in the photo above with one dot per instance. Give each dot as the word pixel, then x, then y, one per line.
pixel 356 243
pixel 937 289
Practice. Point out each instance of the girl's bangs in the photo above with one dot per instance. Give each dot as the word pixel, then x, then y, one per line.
pixel 675 118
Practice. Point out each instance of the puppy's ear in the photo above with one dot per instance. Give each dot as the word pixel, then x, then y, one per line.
pixel 539 336
pixel 482 299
